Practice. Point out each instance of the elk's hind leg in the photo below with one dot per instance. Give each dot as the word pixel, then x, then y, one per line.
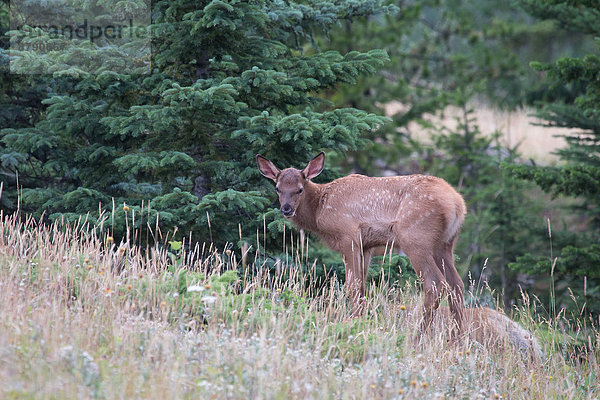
pixel 444 258
pixel 433 282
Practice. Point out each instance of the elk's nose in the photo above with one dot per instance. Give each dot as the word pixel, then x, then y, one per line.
pixel 287 210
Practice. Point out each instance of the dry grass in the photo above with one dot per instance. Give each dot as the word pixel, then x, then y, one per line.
pixel 82 317
pixel 516 128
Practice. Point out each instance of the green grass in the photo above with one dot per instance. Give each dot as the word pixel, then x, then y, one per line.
pixel 82 317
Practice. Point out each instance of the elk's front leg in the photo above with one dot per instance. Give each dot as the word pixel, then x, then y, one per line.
pixel 366 263
pixel 355 276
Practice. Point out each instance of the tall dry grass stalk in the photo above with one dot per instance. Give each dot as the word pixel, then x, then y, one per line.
pixel 84 317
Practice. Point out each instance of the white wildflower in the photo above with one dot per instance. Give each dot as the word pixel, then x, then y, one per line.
pixel 209 299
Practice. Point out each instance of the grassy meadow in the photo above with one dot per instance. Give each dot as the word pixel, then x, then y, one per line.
pixel 84 317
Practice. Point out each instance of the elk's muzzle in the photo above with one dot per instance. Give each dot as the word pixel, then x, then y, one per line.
pixel 287 210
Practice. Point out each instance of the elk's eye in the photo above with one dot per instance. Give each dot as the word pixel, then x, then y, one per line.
pixel 300 190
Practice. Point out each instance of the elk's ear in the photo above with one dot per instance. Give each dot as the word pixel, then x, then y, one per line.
pixel 267 168
pixel 315 166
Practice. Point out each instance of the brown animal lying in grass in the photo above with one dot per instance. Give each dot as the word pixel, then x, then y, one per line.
pixel 492 330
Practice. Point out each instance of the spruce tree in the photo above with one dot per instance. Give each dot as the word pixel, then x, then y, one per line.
pixel 227 80
pixel 20 107
pixel 574 103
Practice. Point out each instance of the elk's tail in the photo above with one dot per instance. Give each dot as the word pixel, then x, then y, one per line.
pixel 455 218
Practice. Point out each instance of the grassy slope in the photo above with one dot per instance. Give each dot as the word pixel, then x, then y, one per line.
pixel 81 317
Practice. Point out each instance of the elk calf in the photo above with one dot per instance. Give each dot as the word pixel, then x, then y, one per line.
pixel 416 213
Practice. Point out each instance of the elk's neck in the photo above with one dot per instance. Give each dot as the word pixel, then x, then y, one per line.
pixel 306 213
